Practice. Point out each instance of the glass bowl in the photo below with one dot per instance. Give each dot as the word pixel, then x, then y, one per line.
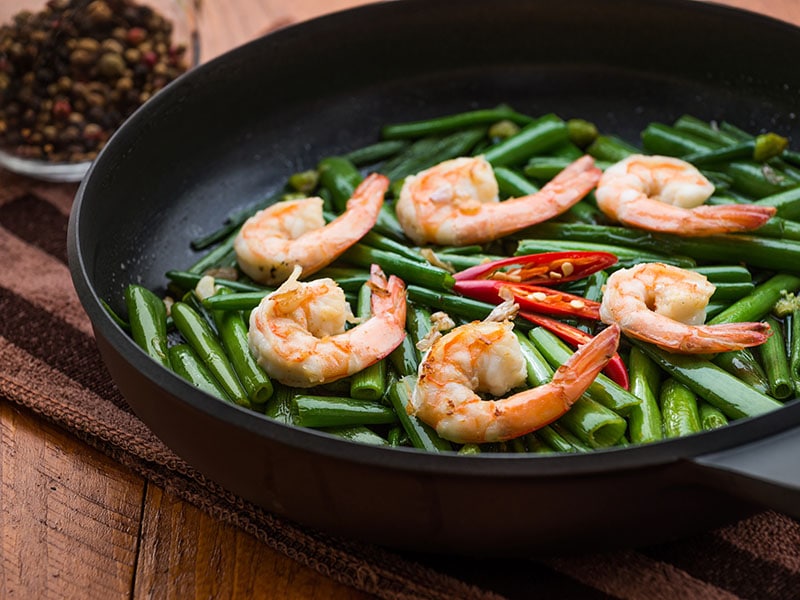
pixel 71 71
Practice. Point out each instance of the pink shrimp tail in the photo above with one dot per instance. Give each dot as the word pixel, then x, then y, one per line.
pixel 721 338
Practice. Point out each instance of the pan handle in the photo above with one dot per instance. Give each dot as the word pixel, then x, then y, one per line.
pixel 766 472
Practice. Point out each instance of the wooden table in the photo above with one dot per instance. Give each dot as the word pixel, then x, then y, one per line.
pixel 76 524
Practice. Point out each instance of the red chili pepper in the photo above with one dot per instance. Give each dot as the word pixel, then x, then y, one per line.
pixel 530 298
pixel 615 369
pixel 546 268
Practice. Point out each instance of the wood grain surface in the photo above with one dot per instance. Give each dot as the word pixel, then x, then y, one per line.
pixel 76 524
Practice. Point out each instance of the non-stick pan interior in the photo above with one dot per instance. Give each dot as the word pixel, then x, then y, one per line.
pixel 229 133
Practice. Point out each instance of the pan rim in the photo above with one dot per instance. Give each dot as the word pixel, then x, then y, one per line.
pixel 497 465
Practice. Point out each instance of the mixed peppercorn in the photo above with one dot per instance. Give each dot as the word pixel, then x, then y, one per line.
pixel 71 73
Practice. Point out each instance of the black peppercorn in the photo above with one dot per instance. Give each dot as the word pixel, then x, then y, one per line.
pixel 71 73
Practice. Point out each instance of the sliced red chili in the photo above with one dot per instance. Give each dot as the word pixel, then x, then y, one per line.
pixel 615 369
pixel 546 268
pixel 534 298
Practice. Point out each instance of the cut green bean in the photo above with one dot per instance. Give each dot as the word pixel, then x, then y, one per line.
pixel 449 123
pixel 679 409
pixel 235 301
pixel 787 203
pixel 513 184
pixel 377 152
pixel 232 330
pixel 420 434
pixel 710 416
pixel 602 390
pixel 279 405
pixel 369 383
pixel 611 149
pixel 188 281
pixel 644 420
pixel 728 393
pixel 332 411
pixel 341 178
pixel 776 362
pixel 199 335
pixel 537 137
pixel 410 271
pixel 759 302
pixel 147 316
pixel 427 152
pixel 557 442
pixel 188 365
pixel 356 433
pixel 744 365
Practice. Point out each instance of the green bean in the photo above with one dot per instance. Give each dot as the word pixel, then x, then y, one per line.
pixel 589 421
pixel 759 302
pixel 776 362
pixel 679 409
pixel 536 445
pixel 368 155
pixel 767 253
pixel 341 178
pixel 743 364
pixel 793 333
pixel 418 324
pixel 396 436
pixel 468 449
pixel 405 358
pixel 581 132
pixel 427 152
pixel 199 335
pixel 535 138
pixel 235 301
pixel 147 316
pixel 447 124
pixel 332 411
pixel 705 131
pixel 570 438
pixel 757 180
pixel 410 271
pixel 188 365
pixel 217 256
pixel 381 242
pixel 233 335
pixel 547 167
pixel 659 138
pixel 457 306
pixel 279 405
pixel 725 273
pixel 188 281
pixel 594 286
pixel 787 203
pixel 420 434
pixel 602 390
pixel 728 393
pixel 356 433
pixel 611 149
pixel 557 442
pixel 369 383
pixel 726 292
pixel 760 149
pixel 710 416
pixel 513 184
pixel 644 420
pixel 121 323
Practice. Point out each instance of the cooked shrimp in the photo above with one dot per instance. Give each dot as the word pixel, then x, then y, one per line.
pixel 456 202
pixel 298 334
pixel 485 356
pixel 660 193
pixel 666 306
pixel 293 233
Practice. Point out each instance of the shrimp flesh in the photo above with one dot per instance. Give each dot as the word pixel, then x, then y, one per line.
pixel 666 306
pixel 294 232
pixel 664 194
pixel 456 202
pixel 485 357
pixel 297 333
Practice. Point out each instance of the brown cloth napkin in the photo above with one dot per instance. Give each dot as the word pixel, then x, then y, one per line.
pixel 49 364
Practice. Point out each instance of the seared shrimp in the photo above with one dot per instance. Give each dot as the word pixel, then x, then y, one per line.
pixel 666 306
pixel 293 233
pixel 456 202
pixel 298 335
pixel 485 356
pixel 660 193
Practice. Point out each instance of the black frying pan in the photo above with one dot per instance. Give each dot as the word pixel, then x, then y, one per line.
pixel 228 133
